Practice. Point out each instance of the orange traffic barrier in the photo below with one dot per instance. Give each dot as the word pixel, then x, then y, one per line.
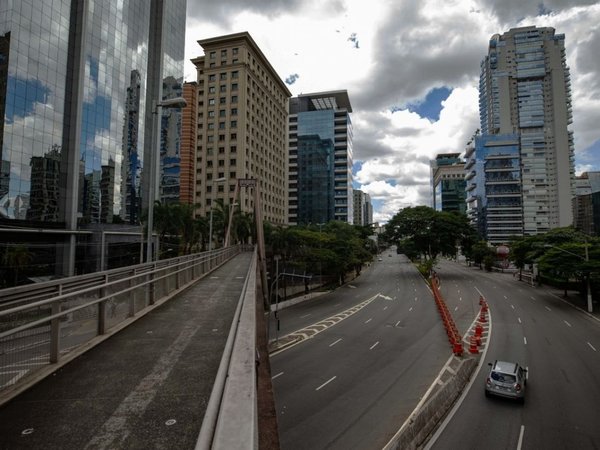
pixel 473 345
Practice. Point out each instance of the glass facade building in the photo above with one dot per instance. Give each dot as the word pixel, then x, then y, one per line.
pixel 78 86
pixel 524 91
pixel 320 164
pixel 447 175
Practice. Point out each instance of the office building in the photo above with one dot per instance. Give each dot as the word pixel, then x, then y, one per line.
pixel 525 104
pixel 448 183
pixel 79 81
pixel 320 158
pixel 242 134
pixel 363 210
pixel 586 203
pixel 189 125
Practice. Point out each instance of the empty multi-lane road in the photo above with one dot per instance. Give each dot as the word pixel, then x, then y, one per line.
pixel 379 345
pixel 354 382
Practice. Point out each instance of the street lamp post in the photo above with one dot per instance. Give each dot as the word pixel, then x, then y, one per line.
pixel 153 185
pixel 210 233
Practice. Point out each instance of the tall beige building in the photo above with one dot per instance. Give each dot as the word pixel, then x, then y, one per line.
pixel 242 127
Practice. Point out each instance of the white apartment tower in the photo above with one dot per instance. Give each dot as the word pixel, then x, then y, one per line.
pixel 242 127
pixel 524 95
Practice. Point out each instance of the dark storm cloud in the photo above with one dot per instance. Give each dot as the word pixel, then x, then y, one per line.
pixel 221 11
pixel 409 61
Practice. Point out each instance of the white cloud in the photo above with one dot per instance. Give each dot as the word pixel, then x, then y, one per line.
pixel 406 49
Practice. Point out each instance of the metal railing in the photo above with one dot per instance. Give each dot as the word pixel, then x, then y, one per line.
pixel 55 321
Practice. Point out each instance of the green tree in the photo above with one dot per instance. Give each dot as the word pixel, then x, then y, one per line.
pixel 430 232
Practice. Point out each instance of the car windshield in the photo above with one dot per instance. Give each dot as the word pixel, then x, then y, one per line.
pixel 503 377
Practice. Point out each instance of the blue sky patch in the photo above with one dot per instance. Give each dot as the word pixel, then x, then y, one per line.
pixel 431 106
pixel 22 95
pixel 590 156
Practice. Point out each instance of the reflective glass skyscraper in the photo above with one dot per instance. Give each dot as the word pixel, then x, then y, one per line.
pixel 79 80
pixel 525 103
pixel 320 170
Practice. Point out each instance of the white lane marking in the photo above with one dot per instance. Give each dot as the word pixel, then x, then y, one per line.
pixel 335 342
pixel 304 316
pixel 369 320
pixel 276 376
pixel 519 319
pixel 337 304
pixel 512 306
pixel 398 323
pixel 532 298
pixel 460 299
pixel 410 309
pixel 505 297
pixel 567 323
pixel 326 383
pixel 416 299
pixel 592 347
pixel 214 278
pixel 520 442
pixel 524 340
pixel 374 345
pixel 456 309
pixel 547 308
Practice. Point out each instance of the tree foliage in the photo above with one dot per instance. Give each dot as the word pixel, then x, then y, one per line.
pixel 424 231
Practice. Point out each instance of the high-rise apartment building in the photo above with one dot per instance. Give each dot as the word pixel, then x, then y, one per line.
pixel 320 158
pixel 242 134
pixel 79 81
pixel 363 210
pixel 448 183
pixel 586 203
pixel 525 109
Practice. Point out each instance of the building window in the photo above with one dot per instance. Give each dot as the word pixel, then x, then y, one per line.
pixel 221 137
pixel 234 99
pixel 211 114
pixel 212 77
pixel 234 86
pixel 232 162
pixel 222 100
pixel 211 101
pixel 212 90
pixel 211 65
pixel 211 126
pixel 233 149
pixel 213 55
pixel 221 188
pixel 221 113
pixel 221 125
pixel 232 175
pixel 234 50
pixel 223 53
pixel 223 88
pixel 210 138
pixel 221 149
pixel 233 136
pixel 221 162
pixel 234 111
pixel 234 124
pixel 223 75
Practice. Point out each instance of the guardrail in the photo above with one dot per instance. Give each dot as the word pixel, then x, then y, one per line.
pixel 231 418
pixel 48 323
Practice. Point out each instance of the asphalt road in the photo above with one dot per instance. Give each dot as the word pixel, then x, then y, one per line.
pixel 354 383
pixel 559 344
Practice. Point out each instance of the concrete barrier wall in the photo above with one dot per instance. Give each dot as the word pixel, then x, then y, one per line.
pixel 424 422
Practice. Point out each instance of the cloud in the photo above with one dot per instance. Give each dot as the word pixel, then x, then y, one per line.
pixel 407 50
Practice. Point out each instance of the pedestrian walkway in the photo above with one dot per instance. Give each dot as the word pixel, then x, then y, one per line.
pixel 146 387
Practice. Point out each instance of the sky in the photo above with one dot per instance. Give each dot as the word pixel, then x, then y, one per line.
pixel 411 69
